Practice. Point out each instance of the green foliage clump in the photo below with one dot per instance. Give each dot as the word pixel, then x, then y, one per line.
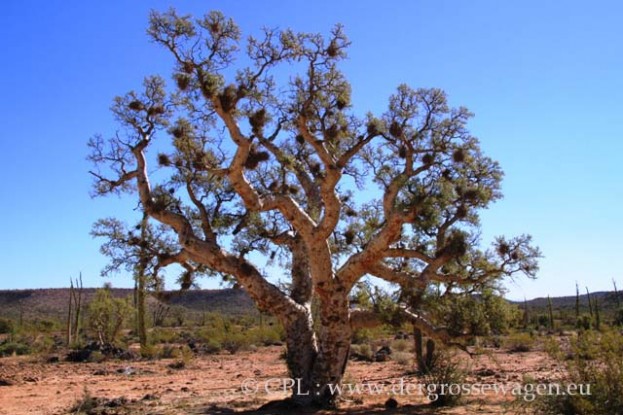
pixel 402 358
pixel 183 356
pixel 445 370
pixel 11 348
pixel 519 342
pixel 237 333
pixel 6 326
pixel 480 315
pixel 595 360
pixel 401 345
pixel 583 322
pixel 362 352
pixel 107 315
pixel 161 335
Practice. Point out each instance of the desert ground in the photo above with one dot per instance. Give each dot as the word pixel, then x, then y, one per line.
pixel 215 384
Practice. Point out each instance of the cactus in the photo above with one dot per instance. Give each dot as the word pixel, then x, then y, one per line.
pixel 590 303
pixel 69 312
pixel 577 301
pixel 419 359
pixel 551 313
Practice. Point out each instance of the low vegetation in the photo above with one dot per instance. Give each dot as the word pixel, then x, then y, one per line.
pixel 588 354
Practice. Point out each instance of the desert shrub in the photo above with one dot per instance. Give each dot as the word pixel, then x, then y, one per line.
pixel 96 357
pixel 42 344
pixel 583 322
pixel 234 342
pixel 402 358
pixel 480 315
pixel 184 353
pixel 85 404
pixel 445 371
pixel 6 326
pixel 46 325
pixel 603 371
pixel 361 336
pixel 266 336
pixel 401 345
pixel 618 318
pixel 183 356
pixel 213 346
pixel 10 348
pixel 519 342
pixel 149 351
pixel 164 335
pixel 167 352
pixel 179 315
pixel 106 316
pixel 367 335
pixel 362 352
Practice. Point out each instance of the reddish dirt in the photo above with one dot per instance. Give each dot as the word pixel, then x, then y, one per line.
pixel 212 384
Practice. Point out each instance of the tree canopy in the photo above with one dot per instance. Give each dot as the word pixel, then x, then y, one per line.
pixel 256 151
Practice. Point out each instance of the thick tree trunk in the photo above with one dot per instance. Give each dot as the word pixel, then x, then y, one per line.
pixel 333 348
pixel 419 353
pixel 302 350
pixel 140 311
pixel 317 363
pixel 141 308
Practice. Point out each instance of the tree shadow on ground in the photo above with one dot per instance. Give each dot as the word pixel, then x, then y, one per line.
pixel 277 409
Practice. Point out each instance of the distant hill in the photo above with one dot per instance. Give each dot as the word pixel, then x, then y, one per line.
pixel 607 302
pixel 52 302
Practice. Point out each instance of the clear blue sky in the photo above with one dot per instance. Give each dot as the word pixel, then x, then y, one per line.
pixel 543 78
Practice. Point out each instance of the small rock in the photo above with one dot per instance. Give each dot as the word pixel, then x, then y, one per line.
pixel 485 372
pixel 117 402
pixel 382 355
pixel 391 403
pixel 5 382
pixel 127 370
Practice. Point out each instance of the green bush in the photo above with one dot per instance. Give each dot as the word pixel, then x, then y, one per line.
pixel 445 371
pixel 266 336
pixel 402 358
pixel 401 345
pixel 235 342
pixel 213 346
pixel 11 348
pixel 519 342
pixel 583 322
pixel 6 326
pixel 595 359
pixel 164 335
pixel 149 351
pixel 362 352
pixel 167 352
pixel 183 354
pixel 107 315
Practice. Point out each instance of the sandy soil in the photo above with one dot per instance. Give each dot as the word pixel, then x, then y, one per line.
pixel 214 384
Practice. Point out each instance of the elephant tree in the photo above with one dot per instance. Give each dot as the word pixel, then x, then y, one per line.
pixel 268 164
